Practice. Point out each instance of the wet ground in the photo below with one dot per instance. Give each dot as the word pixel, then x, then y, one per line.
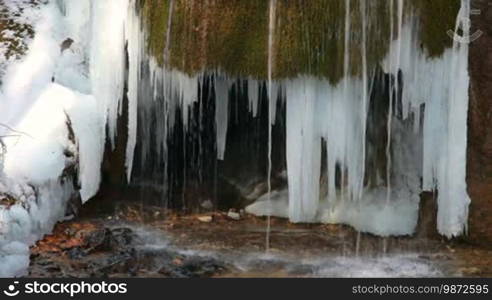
pixel 136 242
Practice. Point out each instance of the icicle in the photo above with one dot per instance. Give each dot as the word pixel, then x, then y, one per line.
pixel 303 150
pixel 222 86
pixel 393 88
pixel 441 83
pixel 108 49
pixel 135 42
pixel 453 199
pixel 253 93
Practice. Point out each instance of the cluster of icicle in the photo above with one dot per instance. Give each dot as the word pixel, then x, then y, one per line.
pixel 337 115
pixel 317 112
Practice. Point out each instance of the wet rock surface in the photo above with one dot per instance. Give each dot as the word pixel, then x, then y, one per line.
pixel 479 161
pixel 98 249
pixel 146 242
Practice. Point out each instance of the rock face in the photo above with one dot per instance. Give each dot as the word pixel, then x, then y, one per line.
pixel 479 173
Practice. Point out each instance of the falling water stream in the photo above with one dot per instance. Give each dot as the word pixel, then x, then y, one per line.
pixel 394 95
pixel 346 64
pixel 271 36
pixel 362 8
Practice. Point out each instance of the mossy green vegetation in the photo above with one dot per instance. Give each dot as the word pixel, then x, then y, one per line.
pixel 436 18
pixel 13 34
pixel 232 35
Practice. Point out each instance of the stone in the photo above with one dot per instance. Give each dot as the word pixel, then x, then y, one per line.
pixel 234 215
pixel 66 44
pixel 205 219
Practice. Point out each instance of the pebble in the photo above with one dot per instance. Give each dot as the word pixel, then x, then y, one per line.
pixel 205 219
pixel 234 215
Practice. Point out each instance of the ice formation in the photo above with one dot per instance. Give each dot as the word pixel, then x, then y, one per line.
pixel 318 111
pixel 47 96
pixel 441 84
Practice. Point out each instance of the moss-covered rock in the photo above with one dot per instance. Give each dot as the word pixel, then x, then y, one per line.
pixel 13 32
pixel 232 35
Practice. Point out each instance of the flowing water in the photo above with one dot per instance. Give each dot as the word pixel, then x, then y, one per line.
pixel 271 36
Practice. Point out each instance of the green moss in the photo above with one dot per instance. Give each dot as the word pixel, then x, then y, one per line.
pixel 156 14
pixel 13 34
pixel 232 35
pixel 436 18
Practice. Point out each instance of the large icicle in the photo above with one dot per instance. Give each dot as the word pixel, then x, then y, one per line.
pixel 303 151
pixel 453 199
pixel 253 95
pixel 108 49
pixel 442 85
pixel 222 86
pixel 135 42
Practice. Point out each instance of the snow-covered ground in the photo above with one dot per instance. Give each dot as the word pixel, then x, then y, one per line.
pixel 43 97
pixel 17 18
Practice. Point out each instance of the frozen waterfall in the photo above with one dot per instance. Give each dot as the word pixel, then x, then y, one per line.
pixel 328 144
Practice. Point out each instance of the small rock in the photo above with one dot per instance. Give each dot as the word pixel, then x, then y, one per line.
pixel 234 215
pixel 178 261
pixel 205 219
pixel 450 249
pixel 76 253
pixel 121 238
pixel 66 44
pixel 98 240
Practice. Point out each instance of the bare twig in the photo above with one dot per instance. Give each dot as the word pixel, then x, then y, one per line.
pixel 14 130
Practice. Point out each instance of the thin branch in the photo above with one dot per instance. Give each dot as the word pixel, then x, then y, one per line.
pixel 14 130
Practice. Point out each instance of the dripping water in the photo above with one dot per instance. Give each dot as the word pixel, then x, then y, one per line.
pixel 362 7
pixel 271 32
pixel 393 91
pixel 346 71
pixel 364 93
pixel 346 61
pixel 346 74
pixel 390 109
pixel 168 32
